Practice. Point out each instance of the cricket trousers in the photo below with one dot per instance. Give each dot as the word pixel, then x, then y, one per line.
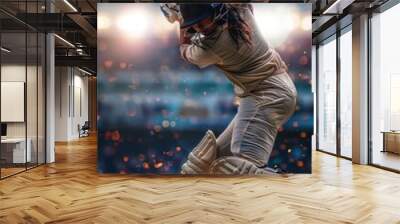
pixel 252 132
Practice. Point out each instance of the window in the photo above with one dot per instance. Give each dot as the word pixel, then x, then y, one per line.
pixel 327 96
pixel 346 93
pixel 385 89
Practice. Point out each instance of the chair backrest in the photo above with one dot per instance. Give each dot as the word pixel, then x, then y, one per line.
pixel 86 125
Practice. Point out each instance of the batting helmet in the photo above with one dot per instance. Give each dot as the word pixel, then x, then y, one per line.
pixel 194 13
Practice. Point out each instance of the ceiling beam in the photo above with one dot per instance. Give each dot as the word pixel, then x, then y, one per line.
pixel 85 25
pixel 77 61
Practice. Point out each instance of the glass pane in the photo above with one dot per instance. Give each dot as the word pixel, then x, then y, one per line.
pixel 346 94
pixel 31 98
pixel 32 87
pixel 385 86
pixel 41 98
pixel 13 87
pixel 327 97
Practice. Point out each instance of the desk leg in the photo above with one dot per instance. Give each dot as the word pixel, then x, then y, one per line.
pixel 384 143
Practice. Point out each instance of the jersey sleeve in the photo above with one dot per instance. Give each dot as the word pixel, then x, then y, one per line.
pixel 199 56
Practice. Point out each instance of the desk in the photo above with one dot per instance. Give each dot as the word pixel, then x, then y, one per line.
pixel 15 148
pixel 391 141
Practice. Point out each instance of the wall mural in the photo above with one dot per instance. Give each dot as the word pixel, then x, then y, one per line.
pixel 218 89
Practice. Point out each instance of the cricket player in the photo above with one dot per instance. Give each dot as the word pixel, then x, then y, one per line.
pixel 226 35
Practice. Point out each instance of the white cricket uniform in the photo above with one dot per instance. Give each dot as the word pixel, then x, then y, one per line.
pixel 267 93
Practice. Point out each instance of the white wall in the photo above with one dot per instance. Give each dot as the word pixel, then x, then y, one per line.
pixel 71 94
pixel 61 103
pixel 16 73
pixel 81 104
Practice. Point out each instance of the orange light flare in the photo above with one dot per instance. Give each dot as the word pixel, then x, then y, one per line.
pixel 116 136
pixel 132 113
pixel 125 159
pixel 107 135
pixel 303 60
pixel 158 165
pixel 300 163
pixel 103 46
pixel 123 65
pixel 108 64
pixel 112 78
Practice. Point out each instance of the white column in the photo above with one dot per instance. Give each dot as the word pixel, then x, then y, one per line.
pixel 62 103
pixel 50 92
pixel 314 91
pixel 360 90
pixel 50 99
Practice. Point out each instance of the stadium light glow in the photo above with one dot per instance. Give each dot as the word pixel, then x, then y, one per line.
pixel 134 24
pixel 306 23
pixel 276 30
pixel 103 22
pixel 165 26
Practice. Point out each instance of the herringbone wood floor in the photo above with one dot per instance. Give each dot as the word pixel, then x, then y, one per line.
pixel 71 191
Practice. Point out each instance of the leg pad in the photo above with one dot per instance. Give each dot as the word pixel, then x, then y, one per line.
pixel 200 159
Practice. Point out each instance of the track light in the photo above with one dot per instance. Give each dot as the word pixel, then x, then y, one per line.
pixel 84 71
pixel 5 50
pixel 337 7
pixel 70 5
pixel 65 41
pixel 329 9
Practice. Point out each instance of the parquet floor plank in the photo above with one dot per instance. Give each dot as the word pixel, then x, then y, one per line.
pixel 71 191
